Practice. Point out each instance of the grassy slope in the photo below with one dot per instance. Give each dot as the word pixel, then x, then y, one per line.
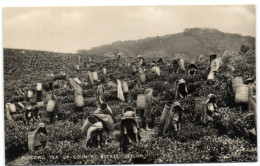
pixel 192 43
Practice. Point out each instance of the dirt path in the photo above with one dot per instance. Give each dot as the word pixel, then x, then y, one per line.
pixel 146 135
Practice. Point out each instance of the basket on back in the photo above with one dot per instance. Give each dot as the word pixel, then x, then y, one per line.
pixel 236 82
pixel 128 109
pixel 105 109
pixel 156 70
pixel 21 105
pixel 30 94
pixel 39 86
pixel 129 114
pixel 95 76
pixel 31 136
pixel 90 77
pixel 104 70
pixel 77 67
pixel 7 112
pixel 87 124
pixel 168 122
pixel 142 78
pixel 163 117
pixel 125 86
pixel 51 106
pixel 11 107
pixel 33 139
pixel 199 103
pixel 141 100
pixel 79 101
pixel 241 95
pixel 182 67
pixel 77 80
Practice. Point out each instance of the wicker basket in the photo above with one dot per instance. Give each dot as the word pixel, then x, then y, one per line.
pixel 128 109
pixel 7 113
pixel 141 100
pixel 20 105
pixel 168 122
pixel 142 78
pixel 30 94
pixel 104 70
pixel 182 67
pixel 87 124
pixel 236 82
pixel 95 76
pixel 50 106
pixel 77 81
pixel 79 101
pixel 105 108
pixel 90 77
pixel 12 108
pixel 125 87
pixel 241 94
pixel 39 86
pixel 199 104
pixel 31 136
pixel 157 71
pixel 165 112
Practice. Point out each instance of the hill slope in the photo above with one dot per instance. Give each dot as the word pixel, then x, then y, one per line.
pixel 192 43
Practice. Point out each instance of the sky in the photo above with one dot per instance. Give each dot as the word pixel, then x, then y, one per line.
pixel 68 29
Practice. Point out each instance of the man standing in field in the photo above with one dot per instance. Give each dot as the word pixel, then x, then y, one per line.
pixel 252 99
pixel 118 59
pixel 141 62
pixel 214 63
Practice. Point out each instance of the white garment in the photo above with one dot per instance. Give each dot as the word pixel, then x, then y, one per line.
pixel 153 69
pixel 214 65
pixel 211 75
pixel 120 94
pixel 211 107
pixel 93 128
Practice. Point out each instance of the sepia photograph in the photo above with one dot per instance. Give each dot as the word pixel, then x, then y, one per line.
pixel 93 85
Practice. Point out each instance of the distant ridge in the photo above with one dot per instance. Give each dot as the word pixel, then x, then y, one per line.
pixel 191 43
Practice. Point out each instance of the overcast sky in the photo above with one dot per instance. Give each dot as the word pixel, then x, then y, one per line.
pixel 68 29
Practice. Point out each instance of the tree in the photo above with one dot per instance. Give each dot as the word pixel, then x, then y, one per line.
pixel 244 48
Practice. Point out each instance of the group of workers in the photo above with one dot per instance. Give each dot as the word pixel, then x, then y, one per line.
pixel 101 119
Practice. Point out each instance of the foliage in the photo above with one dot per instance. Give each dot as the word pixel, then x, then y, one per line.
pixel 195 41
pixel 226 139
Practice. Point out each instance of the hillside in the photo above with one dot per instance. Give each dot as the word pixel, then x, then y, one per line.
pixel 229 138
pixel 192 43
